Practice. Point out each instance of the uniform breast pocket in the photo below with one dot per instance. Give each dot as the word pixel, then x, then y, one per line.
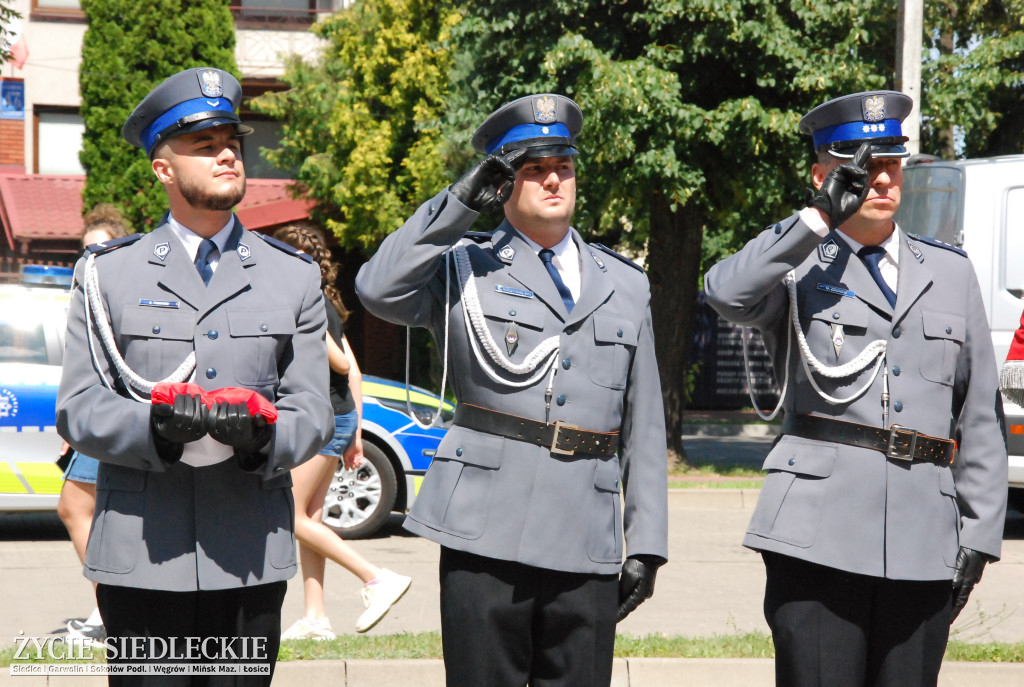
pixel 830 323
pixel 258 339
pixel 944 335
pixel 614 344
pixel 155 341
pixel 514 322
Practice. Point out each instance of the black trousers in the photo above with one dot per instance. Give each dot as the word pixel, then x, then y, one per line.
pixel 235 626
pixel 837 629
pixel 504 624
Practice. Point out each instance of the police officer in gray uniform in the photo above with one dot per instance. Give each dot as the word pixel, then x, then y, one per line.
pixel 889 479
pixel 559 422
pixel 192 534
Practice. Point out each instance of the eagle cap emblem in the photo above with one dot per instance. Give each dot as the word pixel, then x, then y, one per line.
pixel 209 82
pixel 874 108
pixel 544 110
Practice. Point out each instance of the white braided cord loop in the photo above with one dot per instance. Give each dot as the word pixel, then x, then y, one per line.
pixel 479 335
pixel 94 303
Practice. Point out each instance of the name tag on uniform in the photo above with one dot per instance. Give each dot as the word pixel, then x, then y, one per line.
pixel 836 290
pixel 522 293
pixel 157 304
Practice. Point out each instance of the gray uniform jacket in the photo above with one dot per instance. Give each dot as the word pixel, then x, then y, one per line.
pixel 507 499
pixel 260 325
pixel 852 508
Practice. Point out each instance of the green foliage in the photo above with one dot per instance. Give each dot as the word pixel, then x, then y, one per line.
pixel 7 13
pixel 129 48
pixel 361 124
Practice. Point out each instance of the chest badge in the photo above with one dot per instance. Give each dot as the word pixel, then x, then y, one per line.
pixel 511 338
pixel 243 251
pixel 162 250
pixel 838 338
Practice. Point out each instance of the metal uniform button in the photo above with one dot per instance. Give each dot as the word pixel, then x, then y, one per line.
pixel 835 316
pixel 896 370
pixel 264 327
pixel 511 313
pixel 898 406
pixel 560 400
pixel 566 363
pixel 156 329
pixel 792 461
pixel 212 334
pixel 949 330
pixel 210 373
pixel 896 333
pixel 458 451
pixel 619 333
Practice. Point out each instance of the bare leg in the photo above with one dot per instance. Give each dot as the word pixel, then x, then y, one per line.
pixel 75 506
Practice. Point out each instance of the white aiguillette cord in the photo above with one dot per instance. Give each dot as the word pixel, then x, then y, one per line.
pixel 873 354
pixel 94 311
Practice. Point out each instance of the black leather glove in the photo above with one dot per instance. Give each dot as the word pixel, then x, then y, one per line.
pixel 178 424
pixel 844 189
pixel 487 186
pixel 970 564
pixel 636 583
pixel 233 425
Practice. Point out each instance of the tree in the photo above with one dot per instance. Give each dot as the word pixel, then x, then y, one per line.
pixel 130 47
pixel 973 81
pixel 361 125
pixel 7 14
pixel 690 140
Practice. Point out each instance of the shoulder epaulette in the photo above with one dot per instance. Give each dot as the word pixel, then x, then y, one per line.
pixel 479 236
pixel 282 246
pixel 938 244
pixel 612 253
pixel 112 244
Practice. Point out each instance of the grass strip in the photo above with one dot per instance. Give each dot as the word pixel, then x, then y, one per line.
pixel 428 645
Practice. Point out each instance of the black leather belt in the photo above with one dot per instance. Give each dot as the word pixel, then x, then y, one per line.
pixel 558 436
pixel 899 443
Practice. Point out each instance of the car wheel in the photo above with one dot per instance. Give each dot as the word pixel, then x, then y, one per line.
pixel 359 501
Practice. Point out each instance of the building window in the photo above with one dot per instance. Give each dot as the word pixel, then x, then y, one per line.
pixel 274 12
pixel 58 142
pixel 266 134
pixel 57 9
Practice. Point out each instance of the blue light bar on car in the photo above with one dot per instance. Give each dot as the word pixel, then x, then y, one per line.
pixel 47 275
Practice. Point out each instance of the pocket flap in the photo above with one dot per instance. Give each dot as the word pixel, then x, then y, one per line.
pixel 801 457
pixel 606 476
pixel 157 323
pixel 508 308
pixel 120 478
pixel 846 311
pixel 609 329
pixel 260 322
pixel 943 325
pixel 471 448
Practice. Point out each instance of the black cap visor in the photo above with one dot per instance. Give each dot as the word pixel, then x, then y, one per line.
pixel 545 146
pixel 200 121
pixel 891 146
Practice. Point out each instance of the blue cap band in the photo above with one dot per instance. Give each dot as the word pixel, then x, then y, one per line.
pixel 857 131
pixel 525 131
pixel 189 107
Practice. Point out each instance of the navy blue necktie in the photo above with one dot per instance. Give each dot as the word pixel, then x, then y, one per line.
pixel 206 249
pixel 872 255
pixel 546 255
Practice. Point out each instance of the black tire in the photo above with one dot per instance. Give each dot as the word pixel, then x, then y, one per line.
pixel 358 502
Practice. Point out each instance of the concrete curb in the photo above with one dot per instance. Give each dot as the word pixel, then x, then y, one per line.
pixel 626 672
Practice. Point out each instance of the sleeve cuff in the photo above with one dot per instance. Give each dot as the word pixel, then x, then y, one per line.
pixel 812 218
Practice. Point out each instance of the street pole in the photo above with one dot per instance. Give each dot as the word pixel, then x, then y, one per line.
pixel 910 28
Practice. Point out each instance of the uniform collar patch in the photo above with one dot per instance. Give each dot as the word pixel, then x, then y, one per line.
pixel 507 253
pixel 162 250
pixel 828 251
pixel 243 251
pixel 600 263
pixel 915 250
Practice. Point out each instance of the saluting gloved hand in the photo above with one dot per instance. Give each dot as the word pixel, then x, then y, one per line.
pixel 844 189
pixel 487 186
pixel 232 424
pixel 970 564
pixel 636 583
pixel 175 425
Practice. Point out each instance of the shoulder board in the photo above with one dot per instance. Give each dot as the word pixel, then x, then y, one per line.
pixel 282 246
pixel 937 243
pixel 623 258
pixel 479 236
pixel 112 244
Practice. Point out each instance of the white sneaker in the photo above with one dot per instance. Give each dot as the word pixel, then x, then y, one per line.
pixel 81 631
pixel 378 598
pixel 307 628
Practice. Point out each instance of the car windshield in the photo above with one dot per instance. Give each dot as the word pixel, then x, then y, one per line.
pixel 932 202
pixel 21 335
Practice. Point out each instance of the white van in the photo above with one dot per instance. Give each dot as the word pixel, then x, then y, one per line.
pixel 978 205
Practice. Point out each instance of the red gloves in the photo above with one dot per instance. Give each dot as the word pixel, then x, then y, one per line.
pixel 164 392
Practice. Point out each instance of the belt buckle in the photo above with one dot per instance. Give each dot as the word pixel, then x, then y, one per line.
pixel 892 451
pixel 559 425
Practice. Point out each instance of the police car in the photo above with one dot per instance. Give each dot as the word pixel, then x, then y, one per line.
pixel 398 439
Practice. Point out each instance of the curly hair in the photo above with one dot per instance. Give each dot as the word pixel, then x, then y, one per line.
pixel 107 217
pixel 308 240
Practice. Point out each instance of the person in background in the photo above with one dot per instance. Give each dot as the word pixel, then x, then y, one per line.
pixel 78 493
pixel 310 481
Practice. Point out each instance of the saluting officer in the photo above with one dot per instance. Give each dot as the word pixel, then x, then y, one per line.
pixel 551 352
pixel 192 534
pixel 889 479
